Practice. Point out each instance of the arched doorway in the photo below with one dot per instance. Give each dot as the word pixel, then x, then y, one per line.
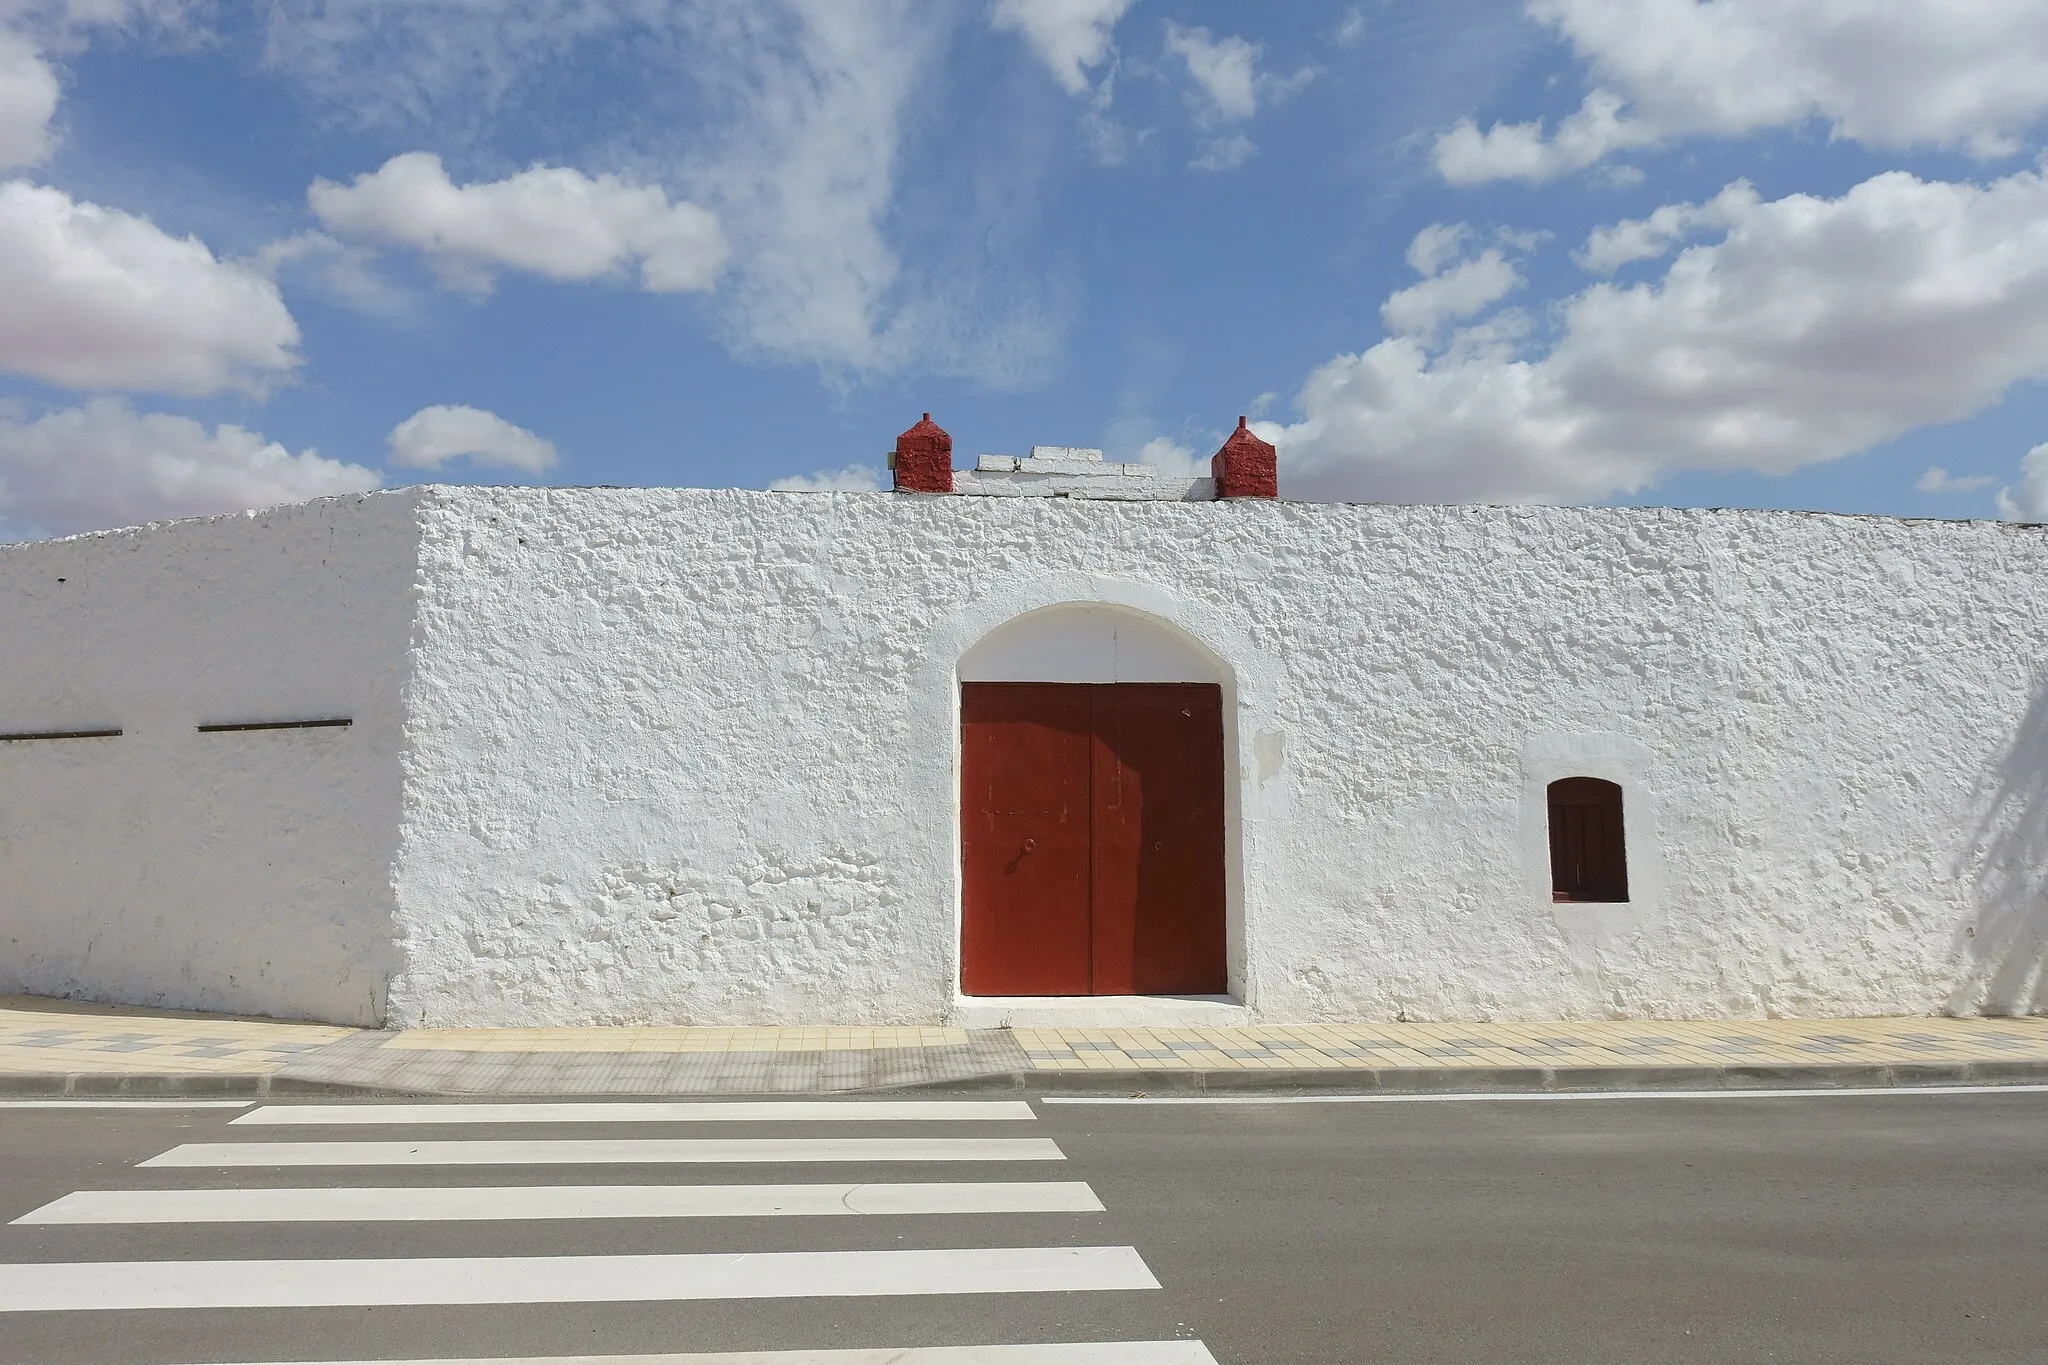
pixel 1092 809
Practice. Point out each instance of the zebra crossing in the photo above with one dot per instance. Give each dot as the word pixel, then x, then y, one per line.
pixel 387 1178
pixel 378 1204
pixel 606 1151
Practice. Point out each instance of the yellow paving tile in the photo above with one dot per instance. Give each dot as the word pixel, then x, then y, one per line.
pixel 52 1037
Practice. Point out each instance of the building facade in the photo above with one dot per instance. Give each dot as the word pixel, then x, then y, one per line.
pixel 658 755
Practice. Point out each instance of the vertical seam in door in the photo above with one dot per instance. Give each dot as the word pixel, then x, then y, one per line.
pixel 1094 735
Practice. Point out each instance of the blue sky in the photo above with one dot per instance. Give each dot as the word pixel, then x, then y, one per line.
pixel 1634 251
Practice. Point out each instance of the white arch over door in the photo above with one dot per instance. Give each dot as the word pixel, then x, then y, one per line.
pixel 1106 631
pixel 1088 643
pixel 1249 678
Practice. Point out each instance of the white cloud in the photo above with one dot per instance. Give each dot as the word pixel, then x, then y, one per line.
pixel 1812 328
pixel 66 22
pixel 101 464
pixel 28 101
pixel 433 436
pixel 1520 151
pixel 805 178
pixel 1939 480
pixel 1466 289
pixel 1436 246
pixel 1225 154
pixel 549 220
pixel 1224 70
pixel 453 64
pixel 1172 459
pixel 1108 141
pixel 343 272
pixel 1608 249
pixel 806 175
pixel 788 119
pixel 100 299
pixel 2028 499
pixel 30 30
pixel 1226 87
pixel 855 478
pixel 1448 292
pixel 1071 37
pixel 1887 73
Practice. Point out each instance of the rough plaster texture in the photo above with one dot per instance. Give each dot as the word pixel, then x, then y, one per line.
pixel 690 756
pixel 244 872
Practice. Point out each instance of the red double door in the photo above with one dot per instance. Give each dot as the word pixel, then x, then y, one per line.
pixel 1092 834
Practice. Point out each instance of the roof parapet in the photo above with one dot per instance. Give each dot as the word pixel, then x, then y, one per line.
pixel 922 461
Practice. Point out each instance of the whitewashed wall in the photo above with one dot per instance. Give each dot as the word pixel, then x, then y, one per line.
pixel 688 756
pixel 250 872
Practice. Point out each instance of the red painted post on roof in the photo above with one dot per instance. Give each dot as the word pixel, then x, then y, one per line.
pixel 923 459
pixel 1246 467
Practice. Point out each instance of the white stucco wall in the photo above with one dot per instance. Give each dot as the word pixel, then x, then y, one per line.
pixel 243 872
pixel 689 756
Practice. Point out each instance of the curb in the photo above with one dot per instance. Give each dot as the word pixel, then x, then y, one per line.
pixel 1500 1080
pixel 1332 1081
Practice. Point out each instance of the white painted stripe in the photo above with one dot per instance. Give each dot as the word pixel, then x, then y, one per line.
pixel 702 1111
pixel 83 1286
pixel 1048 1353
pixel 125 1104
pixel 1470 1097
pixel 405 1205
pixel 595 1151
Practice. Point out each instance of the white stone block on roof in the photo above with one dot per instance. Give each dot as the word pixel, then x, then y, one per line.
pixel 1075 472
pixel 1061 460
pixel 1147 486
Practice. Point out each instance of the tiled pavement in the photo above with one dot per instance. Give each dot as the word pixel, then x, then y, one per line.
pixel 47 1037
pixel 69 1046
pixel 1602 1043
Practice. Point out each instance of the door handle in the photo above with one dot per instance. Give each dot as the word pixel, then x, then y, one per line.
pixel 1031 845
pixel 1159 845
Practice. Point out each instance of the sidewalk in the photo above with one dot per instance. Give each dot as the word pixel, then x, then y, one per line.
pixel 67 1047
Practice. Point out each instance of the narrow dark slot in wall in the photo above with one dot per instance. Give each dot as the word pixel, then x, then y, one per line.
pixel 339 724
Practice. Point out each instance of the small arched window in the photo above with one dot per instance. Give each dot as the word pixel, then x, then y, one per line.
pixel 1588 855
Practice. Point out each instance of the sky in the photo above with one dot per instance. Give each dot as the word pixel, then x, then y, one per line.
pixel 1681 252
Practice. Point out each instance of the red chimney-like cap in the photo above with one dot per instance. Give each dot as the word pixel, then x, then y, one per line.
pixel 1246 467
pixel 923 460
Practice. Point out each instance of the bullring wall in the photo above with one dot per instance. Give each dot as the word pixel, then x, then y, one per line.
pixel 689 756
pixel 246 871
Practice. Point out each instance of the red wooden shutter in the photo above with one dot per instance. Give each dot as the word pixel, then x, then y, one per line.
pixel 1588 850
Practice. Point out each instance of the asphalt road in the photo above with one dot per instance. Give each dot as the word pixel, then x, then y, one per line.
pixel 1854 1228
